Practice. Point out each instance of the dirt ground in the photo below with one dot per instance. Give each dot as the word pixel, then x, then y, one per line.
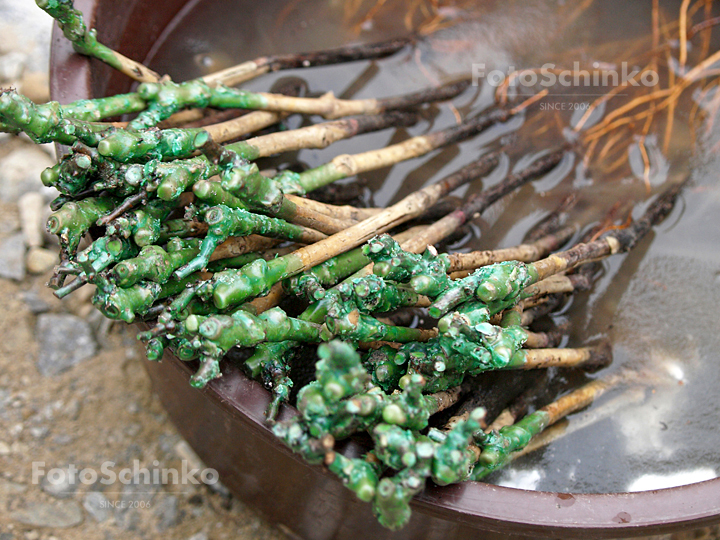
pixel 101 410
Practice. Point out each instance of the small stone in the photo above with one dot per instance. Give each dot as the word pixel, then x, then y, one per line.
pixel 4 449
pixel 65 340
pixel 31 207
pixel 61 486
pixel 39 432
pixel 8 487
pixel 40 260
pixel 35 86
pixel 62 439
pixel 12 255
pixel 73 409
pixel 32 535
pixel 167 513
pixel 34 303
pixel 199 536
pixel 21 171
pixel 61 514
pixel 12 66
pixel 98 506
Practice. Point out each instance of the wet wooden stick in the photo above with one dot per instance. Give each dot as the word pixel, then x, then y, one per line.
pixel 632 396
pixel 589 358
pixel 265 64
pixel 337 211
pixel 465 262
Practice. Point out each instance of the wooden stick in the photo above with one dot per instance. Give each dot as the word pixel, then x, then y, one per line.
pixel 235 75
pixel 524 252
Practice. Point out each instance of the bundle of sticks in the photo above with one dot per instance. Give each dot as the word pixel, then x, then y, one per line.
pixel 189 235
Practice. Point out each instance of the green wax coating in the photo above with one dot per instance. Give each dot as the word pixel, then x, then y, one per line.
pixel 155 348
pixel 410 408
pixel 143 224
pixel 345 322
pixel 246 330
pixel 45 123
pixel 103 252
pixel 225 97
pixel 400 448
pixel 375 295
pixel 468 314
pixel 500 283
pixel 125 145
pixel 502 343
pixel 339 371
pixel 499 446
pixel 265 352
pixel 318 177
pixel 74 219
pixel 73 26
pixel 385 372
pixel 357 475
pixel 427 273
pixel 296 437
pixel 213 193
pixel 72 174
pixel 232 262
pixel 209 370
pixel 94 110
pixel 166 98
pixel 125 303
pixel 244 150
pixel 233 287
pixel 391 505
pixel 258 192
pixel 331 271
pixel 225 222
pixel 153 263
pixel 453 461
pixel 171 179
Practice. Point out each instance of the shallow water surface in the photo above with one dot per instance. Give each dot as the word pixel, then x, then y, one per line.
pixel 659 305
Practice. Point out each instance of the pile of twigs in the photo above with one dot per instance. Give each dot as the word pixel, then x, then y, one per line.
pixel 189 234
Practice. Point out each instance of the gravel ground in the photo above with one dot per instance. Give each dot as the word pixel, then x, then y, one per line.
pixel 73 392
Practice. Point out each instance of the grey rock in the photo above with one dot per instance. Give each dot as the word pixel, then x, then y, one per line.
pixel 8 487
pixel 73 409
pixel 60 514
pixel 97 505
pixel 128 519
pixel 40 260
pixel 12 257
pixel 20 172
pixel 7 536
pixel 167 513
pixel 62 439
pixel 12 66
pixel 34 302
pixel 60 486
pixel 65 340
pixel 39 432
pixel 31 207
pixel 197 536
